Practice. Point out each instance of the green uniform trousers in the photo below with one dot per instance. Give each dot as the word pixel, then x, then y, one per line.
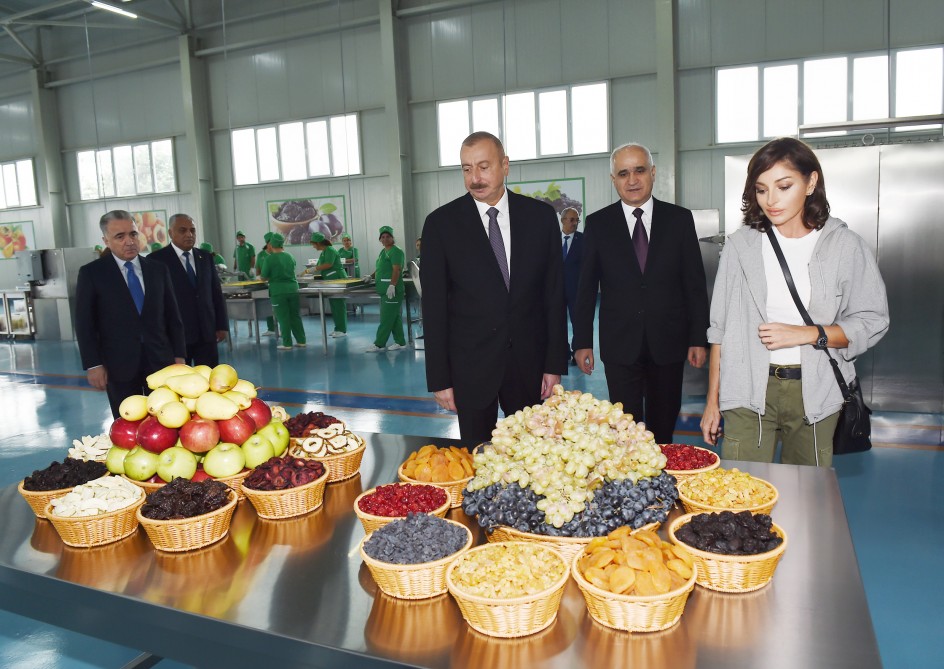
pixel 290 319
pixel 750 436
pixel 390 322
pixel 339 314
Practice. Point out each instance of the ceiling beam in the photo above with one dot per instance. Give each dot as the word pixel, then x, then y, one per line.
pixel 13 18
pixel 69 24
pixel 16 59
pixel 20 43
pixel 148 17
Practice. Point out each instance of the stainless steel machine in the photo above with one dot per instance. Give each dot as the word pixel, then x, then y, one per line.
pixel 53 292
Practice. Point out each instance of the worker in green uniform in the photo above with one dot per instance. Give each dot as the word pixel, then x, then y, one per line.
pixel 260 260
pixel 244 256
pixel 388 274
pixel 217 258
pixel 279 271
pixel 348 255
pixel 155 246
pixel 329 264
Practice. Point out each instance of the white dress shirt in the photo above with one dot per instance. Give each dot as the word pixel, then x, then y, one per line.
pixel 504 222
pixel 137 269
pixel 646 217
pixel 183 261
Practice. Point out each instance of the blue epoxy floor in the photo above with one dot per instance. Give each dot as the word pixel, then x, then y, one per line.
pixel 889 494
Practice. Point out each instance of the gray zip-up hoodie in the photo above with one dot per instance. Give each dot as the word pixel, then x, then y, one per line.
pixel 846 290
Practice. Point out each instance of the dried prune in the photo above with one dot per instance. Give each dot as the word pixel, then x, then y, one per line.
pixel 67 474
pixel 185 499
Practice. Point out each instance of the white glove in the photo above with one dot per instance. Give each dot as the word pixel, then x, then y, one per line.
pixel 391 291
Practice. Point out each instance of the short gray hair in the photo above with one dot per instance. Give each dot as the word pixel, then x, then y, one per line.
pixel 569 209
pixel 114 215
pixel 629 145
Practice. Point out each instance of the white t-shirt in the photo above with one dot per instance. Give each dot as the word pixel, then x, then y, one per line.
pixel 780 305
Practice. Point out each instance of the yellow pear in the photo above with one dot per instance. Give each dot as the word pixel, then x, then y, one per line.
pixel 188 385
pixel 133 407
pixel 223 378
pixel 204 371
pixel 159 398
pixel 240 399
pixel 173 414
pixel 246 388
pixel 158 378
pixel 190 403
pixel 216 407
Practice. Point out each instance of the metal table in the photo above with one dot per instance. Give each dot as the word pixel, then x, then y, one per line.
pixel 335 289
pixel 294 593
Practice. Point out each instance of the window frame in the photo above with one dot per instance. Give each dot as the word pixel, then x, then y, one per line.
pixel 100 193
pixel 14 164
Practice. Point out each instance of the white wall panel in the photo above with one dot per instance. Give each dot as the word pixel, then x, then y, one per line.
pixel 737 31
pixel 855 25
pixel 537 43
pixel 17 136
pixel 694 32
pixel 695 180
pixel 425 144
pixel 585 55
pixel 791 30
pixel 417 46
pixel 633 111
pixel 696 116
pixel 632 36
pixel 493 51
pixel 452 51
pixel 914 22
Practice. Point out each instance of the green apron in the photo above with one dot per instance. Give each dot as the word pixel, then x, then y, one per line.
pixel 279 269
pixel 391 322
pixel 244 255
pixel 344 254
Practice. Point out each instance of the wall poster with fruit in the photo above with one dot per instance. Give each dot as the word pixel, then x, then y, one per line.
pixel 16 236
pixel 296 219
pixel 152 227
pixel 559 193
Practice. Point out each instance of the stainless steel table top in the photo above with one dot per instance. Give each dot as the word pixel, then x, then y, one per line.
pixel 295 593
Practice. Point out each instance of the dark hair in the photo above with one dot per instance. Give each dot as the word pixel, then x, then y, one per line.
pixel 799 157
pixel 481 135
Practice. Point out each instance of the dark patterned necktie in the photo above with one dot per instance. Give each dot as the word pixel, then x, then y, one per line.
pixel 640 240
pixel 498 244
pixel 190 273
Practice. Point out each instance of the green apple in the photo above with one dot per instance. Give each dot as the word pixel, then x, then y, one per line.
pixel 224 460
pixel 176 462
pixel 115 459
pixel 277 433
pixel 140 464
pixel 257 450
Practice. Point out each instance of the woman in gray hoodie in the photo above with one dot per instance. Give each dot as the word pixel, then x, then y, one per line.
pixel 768 371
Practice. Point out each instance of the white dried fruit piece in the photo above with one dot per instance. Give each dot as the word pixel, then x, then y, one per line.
pixel 90 448
pixel 103 495
pixel 280 414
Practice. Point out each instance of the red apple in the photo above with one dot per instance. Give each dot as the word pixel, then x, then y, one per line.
pixel 155 479
pixel 122 432
pixel 237 429
pixel 200 475
pixel 260 412
pixel 154 437
pixel 199 434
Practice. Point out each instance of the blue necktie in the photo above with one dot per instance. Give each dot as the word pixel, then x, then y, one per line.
pixel 566 240
pixel 137 292
pixel 190 273
pixel 497 243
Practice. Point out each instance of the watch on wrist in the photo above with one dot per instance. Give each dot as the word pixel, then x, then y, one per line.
pixel 822 341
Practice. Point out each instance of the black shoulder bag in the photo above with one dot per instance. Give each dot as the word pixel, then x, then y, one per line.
pixel 854 430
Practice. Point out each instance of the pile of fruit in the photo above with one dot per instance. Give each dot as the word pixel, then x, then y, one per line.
pixel 196 423
pixel 639 564
pixel 416 539
pixel 67 474
pixel 508 570
pixel 682 457
pixel 400 499
pixel 730 533
pixel 94 498
pixel 727 488
pixel 284 473
pixel 432 464
pixel 556 460
pixel 316 435
pixel 185 499
pixel 308 423
pixel 91 448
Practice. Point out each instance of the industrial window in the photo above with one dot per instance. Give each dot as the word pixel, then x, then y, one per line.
pixel 758 102
pixel 297 151
pixel 570 120
pixel 127 170
pixel 17 184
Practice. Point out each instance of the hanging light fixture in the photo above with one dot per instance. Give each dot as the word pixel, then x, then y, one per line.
pixel 112 8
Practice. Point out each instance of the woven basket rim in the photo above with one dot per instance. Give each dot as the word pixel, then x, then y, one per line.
pixel 335 456
pixel 407 479
pixel 769 503
pixel 242 473
pixel 721 557
pixel 584 584
pixel 441 509
pixel 573 541
pixel 458 592
pixel 143 484
pixel 98 516
pixel 700 470
pixel 180 521
pixel 249 492
pixel 36 493
pixel 393 566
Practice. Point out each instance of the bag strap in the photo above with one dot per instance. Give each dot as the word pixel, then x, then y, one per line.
pixel 803 312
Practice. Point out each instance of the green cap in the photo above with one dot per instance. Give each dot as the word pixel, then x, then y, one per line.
pixel 345 236
pixel 267 236
pixel 99 247
pixel 240 233
pixel 207 246
pixel 276 241
pixel 317 238
pixel 156 246
pixel 386 229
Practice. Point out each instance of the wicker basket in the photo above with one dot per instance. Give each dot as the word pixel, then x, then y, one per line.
pixel 147 486
pixel 372 522
pixel 566 546
pixel 634 613
pixel 341 466
pixel 40 499
pixel 691 506
pixel 290 502
pixel 413 581
pixel 235 482
pixel 187 534
pixel 453 488
pixel 508 618
pixel 682 474
pixel 105 528
pixel 732 573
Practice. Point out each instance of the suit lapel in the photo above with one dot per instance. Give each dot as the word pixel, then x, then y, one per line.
pixel 121 283
pixel 148 272
pixel 621 239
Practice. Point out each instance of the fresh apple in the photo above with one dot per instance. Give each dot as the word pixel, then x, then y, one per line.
pixel 159 398
pixel 225 460
pixel 133 407
pixel 115 459
pixel 200 474
pixel 278 434
pixel 173 414
pixel 155 479
pixel 260 412
pixel 176 462
pixel 236 429
pixel 122 432
pixel 155 437
pixel 199 435
pixel 257 450
pixel 140 464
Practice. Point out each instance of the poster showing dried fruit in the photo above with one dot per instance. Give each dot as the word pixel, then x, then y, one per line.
pixel 152 227
pixel 559 193
pixel 15 237
pixel 297 219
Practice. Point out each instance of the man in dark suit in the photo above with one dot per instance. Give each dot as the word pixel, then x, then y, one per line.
pixel 571 250
pixel 644 256
pixel 197 289
pixel 126 319
pixel 493 296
